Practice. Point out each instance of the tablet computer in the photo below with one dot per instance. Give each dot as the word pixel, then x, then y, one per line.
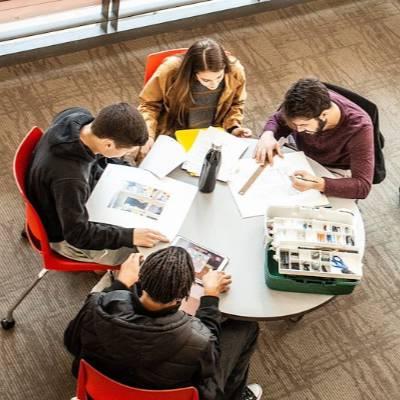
pixel 203 258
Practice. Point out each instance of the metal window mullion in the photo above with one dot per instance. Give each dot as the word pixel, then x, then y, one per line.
pixel 105 13
pixel 115 14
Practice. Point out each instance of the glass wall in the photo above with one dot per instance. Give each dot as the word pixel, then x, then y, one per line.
pixel 30 24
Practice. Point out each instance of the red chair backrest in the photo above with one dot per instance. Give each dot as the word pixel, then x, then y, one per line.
pixel 99 387
pixel 155 59
pixel 35 230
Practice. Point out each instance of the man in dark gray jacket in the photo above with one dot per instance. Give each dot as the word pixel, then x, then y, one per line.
pixel 135 333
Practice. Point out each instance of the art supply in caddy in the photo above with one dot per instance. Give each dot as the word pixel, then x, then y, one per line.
pixel 338 262
pixel 312 231
pixel 210 168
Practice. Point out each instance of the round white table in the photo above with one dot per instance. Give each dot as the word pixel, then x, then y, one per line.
pixel 215 222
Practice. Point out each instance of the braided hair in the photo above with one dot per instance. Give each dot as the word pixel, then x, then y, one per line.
pixel 167 274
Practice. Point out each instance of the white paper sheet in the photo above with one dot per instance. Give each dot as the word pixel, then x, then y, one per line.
pixel 273 186
pixel 232 149
pixel 165 155
pixel 135 198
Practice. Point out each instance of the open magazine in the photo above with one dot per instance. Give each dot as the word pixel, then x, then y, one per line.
pixel 133 197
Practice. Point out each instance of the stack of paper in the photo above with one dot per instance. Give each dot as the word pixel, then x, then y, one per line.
pixel 167 154
pixel 232 149
pixel 273 186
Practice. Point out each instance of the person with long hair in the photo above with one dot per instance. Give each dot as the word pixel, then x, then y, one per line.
pixel 203 87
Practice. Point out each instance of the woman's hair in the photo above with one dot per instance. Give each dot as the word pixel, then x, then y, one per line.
pixel 203 55
pixel 167 274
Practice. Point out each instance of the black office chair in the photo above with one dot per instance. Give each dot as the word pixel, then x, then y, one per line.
pixel 372 110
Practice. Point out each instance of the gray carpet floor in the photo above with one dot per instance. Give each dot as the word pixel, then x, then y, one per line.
pixel 347 350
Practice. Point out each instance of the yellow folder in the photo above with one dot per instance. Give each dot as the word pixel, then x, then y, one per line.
pixel 186 137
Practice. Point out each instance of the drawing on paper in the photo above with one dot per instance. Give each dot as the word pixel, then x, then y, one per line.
pixel 276 180
pixel 139 199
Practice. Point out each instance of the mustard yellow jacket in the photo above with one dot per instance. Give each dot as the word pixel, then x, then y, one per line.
pixel 155 97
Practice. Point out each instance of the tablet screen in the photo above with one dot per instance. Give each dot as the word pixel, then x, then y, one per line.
pixel 203 259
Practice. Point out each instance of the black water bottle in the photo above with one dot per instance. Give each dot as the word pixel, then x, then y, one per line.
pixel 210 168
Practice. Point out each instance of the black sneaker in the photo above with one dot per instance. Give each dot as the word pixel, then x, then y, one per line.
pixel 252 392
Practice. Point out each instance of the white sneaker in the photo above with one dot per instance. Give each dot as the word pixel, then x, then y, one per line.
pixel 252 392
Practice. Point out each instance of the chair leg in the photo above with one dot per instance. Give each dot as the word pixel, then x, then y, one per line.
pixel 8 322
pixel 296 318
pixel 24 235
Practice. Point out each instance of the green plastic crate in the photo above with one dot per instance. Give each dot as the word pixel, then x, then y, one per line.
pixel 304 284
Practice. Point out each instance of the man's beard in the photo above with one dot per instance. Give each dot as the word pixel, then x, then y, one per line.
pixel 321 126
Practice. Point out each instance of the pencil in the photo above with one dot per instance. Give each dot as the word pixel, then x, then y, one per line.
pixel 303 179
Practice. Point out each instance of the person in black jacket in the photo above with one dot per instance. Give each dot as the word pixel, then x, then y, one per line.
pixel 140 338
pixel 65 167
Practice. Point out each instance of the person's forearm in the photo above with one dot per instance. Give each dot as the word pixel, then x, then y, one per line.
pixel 277 125
pixel 115 285
pixel 347 188
pixel 96 236
pixel 267 135
pixel 209 313
pixel 320 184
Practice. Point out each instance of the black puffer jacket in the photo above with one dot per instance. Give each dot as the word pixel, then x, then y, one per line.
pixel 162 350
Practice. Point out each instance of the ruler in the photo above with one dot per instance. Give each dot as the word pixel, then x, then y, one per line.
pixel 259 171
pixel 252 179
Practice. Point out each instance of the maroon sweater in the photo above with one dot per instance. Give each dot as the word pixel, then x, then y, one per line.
pixel 350 145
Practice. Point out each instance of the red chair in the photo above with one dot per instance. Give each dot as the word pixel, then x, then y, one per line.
pixel 96 385
pixel 155 59
pixel 34 228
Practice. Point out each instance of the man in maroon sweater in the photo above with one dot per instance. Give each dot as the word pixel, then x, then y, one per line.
pixel 331 130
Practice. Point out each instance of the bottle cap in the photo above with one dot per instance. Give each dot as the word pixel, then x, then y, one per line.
pixel 216 146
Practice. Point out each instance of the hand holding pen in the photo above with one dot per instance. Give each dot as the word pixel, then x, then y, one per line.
pixel 303 180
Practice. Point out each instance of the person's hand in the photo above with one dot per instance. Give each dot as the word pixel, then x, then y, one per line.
pixel 129 272
pixel 266 148
pixel 147 237
pixel 303 180
pixel 215 283
pixel 242 132
pixel 146 148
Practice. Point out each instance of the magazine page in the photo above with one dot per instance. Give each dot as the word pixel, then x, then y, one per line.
pixel 134 198
pixel 165 155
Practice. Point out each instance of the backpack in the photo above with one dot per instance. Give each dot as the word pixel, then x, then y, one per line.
pixel 379 141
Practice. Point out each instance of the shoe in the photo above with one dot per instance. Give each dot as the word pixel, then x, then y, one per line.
pixel 252 392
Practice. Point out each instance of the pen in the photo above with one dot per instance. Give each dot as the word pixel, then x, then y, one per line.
pixel 303 179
